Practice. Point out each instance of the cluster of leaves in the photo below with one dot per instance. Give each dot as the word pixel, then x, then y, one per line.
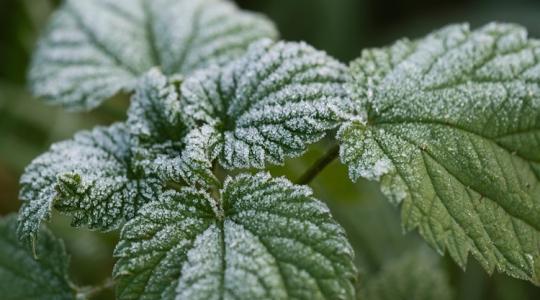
pixel 449 125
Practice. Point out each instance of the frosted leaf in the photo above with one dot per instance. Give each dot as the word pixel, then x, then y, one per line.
pixel 24 277
pixel 194 34
pixel 265 239
pixel 93 49
pixel 415 275
pixel 154 115
pixel 451 128
pixel 270 104
pixel 89 178
pixel 161 142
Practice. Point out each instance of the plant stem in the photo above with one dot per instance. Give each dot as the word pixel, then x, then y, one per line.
pixel 91 292
pixel 319 165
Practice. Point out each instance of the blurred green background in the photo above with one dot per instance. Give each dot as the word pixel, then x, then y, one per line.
pixel 342 28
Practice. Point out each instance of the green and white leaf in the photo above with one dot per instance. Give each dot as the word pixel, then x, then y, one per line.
pixel 24 277
pixel 162 143
pixel 270 104
pixel 92 49
pixel 450 126
pixel 264 239
pixel 89 178
pixel 414 275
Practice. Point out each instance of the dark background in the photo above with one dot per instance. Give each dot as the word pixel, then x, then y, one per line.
pixel 342 28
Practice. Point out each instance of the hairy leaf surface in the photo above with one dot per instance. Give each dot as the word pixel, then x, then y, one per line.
pixel 162 143
pixel 265 239
pixel 270 104
pixel 24 277
pixel 450 125
pixel 90 178
pixel 93 49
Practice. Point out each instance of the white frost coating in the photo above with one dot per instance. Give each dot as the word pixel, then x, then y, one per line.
pixel 270 104
pixel 381 167
pixel 163 145
pixel 93 49
pixel 195 34
pixel 452 132
pixel 201 273
pixel 269 239
pixel 155 111
pixel 89 178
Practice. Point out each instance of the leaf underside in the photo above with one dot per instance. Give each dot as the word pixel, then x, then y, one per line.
pixel 266 239
pixel 24 277
pixel 270 104
pixel 450 126
pixel 89 178
pixel 92 49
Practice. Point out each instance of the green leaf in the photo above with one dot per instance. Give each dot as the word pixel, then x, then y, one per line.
pixel 93 49
pixel 22 276
pixel 270 104
pixel 265 239
pixel 90 178
pixel 450 126
pixel 414 275
pixel 162 143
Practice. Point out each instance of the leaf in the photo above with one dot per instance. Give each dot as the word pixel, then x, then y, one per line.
pixel 265 239
pixel 161 142
pixel 92 49
pixel 414 275
pixel 22 276
pixel 270 104
pixel 452 130
pixel 89 178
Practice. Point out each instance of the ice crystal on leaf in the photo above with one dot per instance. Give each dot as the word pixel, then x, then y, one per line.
pixel 264 239
pixel 90 178
pixel 269 104
pixel 26 277
pixel 162 142
pixel 93 49
pixel 450 126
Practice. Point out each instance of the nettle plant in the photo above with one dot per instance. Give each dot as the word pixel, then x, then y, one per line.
pixel 449 125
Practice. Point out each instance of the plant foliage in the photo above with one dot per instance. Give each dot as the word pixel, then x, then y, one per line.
pixel 25 276
pixel 263 238
pixel 448 124
pixel 93 49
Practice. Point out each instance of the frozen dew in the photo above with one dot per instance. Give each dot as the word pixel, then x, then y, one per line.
pixel 270 104
pixel 80 61
pixel 450 127
pixel 89 178
pixel 268 238
pixel 164 145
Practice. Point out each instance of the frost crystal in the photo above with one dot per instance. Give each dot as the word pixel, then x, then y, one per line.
pixel 89 178
pixel 265 239
pixel 162 144
pixel 23 276
pixel 270 104
pixel 452 129
pixel 92 49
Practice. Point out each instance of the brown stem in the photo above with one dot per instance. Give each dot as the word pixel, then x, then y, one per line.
pixel 319 165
